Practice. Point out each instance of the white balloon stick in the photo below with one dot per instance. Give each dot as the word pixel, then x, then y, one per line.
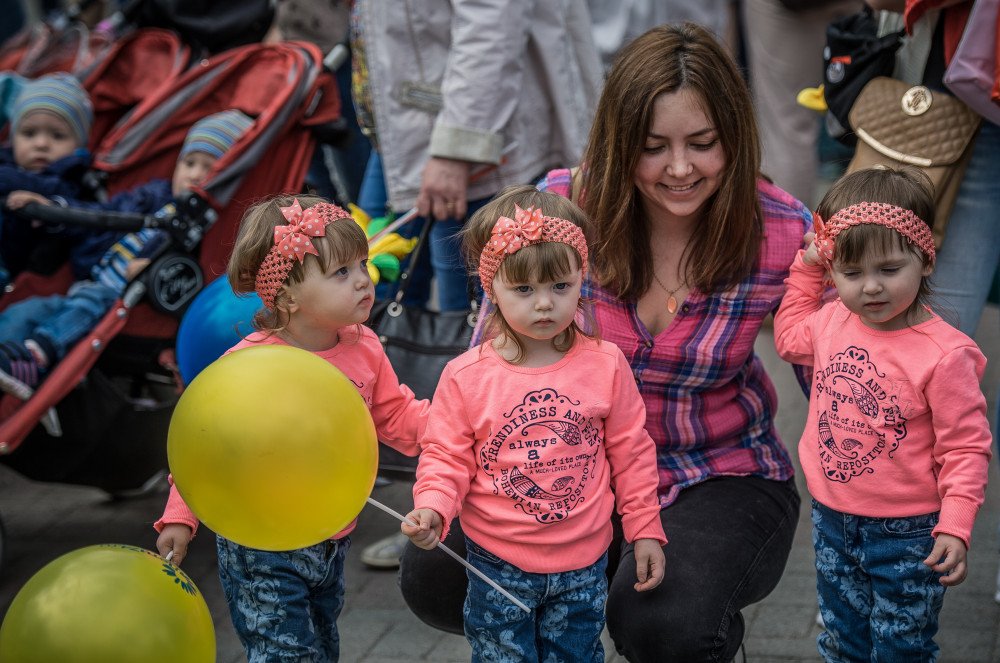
pixel 401 518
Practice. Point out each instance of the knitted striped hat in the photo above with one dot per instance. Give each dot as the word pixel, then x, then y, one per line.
pixel 61 95
pixel 216 133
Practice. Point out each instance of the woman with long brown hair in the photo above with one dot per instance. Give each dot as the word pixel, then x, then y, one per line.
pixel 691 247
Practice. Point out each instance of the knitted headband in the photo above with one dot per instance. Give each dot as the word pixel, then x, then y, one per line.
pixel 526 228
pixel 61 95
pixel 291 243
pixel 903 221
pixel 216 133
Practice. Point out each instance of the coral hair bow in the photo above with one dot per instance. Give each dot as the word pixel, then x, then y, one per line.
pixel 292 240
pixel 823 240
pixel 510 235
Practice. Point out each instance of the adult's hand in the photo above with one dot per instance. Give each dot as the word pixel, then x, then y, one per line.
pixel 444 189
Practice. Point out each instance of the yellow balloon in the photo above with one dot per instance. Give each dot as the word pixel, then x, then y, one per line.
pixel 273 448
pixel 108 604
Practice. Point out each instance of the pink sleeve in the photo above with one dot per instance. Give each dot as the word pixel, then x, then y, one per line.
pixel 176 511
pixel 631 454
pixel 793 322
pixel 962 446
pixel 400 417
pixel 447 463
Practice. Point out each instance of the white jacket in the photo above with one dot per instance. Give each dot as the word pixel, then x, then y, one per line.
pixel 521 73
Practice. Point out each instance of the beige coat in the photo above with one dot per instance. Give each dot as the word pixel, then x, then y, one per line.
pixel 519 74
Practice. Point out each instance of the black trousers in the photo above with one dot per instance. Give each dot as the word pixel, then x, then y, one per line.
pixel 728 541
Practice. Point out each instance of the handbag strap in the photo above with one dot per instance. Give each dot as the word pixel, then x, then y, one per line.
pixel 404 277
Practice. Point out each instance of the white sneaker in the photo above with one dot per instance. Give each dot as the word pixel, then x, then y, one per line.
pixel 385 553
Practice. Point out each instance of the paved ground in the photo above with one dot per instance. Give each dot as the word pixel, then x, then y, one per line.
pixel 45 520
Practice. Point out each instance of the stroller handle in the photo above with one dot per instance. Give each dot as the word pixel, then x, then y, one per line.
pixel 55 214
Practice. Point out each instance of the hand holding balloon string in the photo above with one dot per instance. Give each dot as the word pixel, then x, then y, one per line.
pixel 458 558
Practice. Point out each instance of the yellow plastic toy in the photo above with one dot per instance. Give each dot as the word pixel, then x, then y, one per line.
pixel 385 252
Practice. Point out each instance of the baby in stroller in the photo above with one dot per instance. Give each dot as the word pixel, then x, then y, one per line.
pixel 50 124
pixel 37 332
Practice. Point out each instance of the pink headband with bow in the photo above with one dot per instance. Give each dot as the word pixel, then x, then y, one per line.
pixel 527 227
pixel 292 242
pixel 903 221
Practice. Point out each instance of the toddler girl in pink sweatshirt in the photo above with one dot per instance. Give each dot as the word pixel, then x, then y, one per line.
pixel 307 259
pixel 535 437
pixel 896 445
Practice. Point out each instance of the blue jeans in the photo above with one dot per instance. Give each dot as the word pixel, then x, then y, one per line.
pixel 566 620
pixel 59 320
pixel 970 255
pixel 878 600
pixel 284 605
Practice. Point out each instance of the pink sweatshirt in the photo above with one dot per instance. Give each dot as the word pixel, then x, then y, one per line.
pixel 399 417
pixel 897 423
pixel 530 456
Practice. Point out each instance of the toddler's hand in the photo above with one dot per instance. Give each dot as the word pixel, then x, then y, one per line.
pixel 427 533
pixel 949 552
pixel 18 199
pixel 811 256
pixel 175 537
pixel 649 564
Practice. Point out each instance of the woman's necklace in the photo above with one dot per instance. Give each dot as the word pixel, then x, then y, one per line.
pixel 671 300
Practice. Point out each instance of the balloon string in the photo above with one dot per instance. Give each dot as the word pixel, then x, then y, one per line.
pixel 458 558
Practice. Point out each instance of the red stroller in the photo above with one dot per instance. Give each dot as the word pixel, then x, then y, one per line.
pixel 114 415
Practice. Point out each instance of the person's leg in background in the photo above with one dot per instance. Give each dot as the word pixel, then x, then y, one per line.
pixel 433 585
pixel 451 274
pixel 970 254
pixel 373 199
pixel 352 154
pixel 784 50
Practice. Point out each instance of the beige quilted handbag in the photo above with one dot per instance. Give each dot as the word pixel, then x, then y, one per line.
pixel 897 123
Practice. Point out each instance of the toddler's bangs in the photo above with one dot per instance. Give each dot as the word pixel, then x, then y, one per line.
pixel 343 242
pixel 548 261
pixel 856 243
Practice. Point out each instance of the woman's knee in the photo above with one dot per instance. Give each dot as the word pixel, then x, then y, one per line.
pixel 672 630
pixel 433 587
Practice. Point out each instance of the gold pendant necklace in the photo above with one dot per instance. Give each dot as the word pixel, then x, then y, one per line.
pixel 671 300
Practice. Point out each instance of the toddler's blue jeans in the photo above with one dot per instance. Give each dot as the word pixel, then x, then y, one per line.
pixel 285 605
pixel 564 625
pixel 878 600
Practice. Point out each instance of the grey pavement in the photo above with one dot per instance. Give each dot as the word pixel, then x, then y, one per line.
pixel 45 520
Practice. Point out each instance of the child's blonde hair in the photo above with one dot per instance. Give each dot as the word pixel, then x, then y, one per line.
pixel 904 187
pixel 343 242
pixel 546 261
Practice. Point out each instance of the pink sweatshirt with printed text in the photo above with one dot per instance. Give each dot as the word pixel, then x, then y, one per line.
pixel 536 459
pixel 400 418
pixel 897 422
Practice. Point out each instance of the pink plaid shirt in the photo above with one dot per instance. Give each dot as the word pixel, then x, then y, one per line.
pixel 709 404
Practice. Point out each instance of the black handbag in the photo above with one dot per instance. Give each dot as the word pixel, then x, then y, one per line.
pixel 419 343
pixel 853 56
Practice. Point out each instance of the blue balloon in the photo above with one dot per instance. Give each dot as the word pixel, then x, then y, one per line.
pixel 215 321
